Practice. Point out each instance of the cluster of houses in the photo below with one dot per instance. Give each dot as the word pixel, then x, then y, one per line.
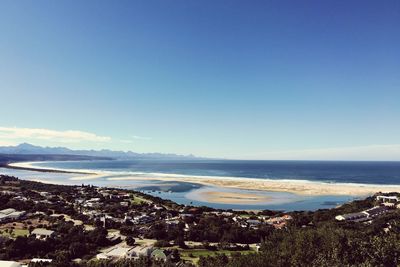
pixel 128 252
pixel 386 204
pixel 120 252
pixel 118 207
pixel 278 222
pixel 42 196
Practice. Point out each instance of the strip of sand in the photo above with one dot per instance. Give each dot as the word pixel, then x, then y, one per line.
pixel 233 198
pixel 29 166
pixel 293 186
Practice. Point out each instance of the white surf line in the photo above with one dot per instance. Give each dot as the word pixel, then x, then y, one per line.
pixel 85 174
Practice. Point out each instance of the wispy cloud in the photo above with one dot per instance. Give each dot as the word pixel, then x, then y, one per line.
pixel 14 133
pixel 140 137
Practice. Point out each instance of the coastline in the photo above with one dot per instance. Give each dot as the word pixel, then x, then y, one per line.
pixel 27 166
pixel 299 187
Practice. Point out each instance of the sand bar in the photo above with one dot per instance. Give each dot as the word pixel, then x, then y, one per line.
pixel 233 198
pixel 307 188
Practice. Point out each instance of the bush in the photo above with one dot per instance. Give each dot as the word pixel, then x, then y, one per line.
pixel 162 243
pixel 130 241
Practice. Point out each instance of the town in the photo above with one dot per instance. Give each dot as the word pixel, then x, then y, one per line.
pixel 120 224
pixel 57 225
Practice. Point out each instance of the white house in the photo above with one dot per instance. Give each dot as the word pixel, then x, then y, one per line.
pixel 142 251
pixel 10 215
pixel 117 253
pixel 10 264
pixel 42 233
pixel 387 198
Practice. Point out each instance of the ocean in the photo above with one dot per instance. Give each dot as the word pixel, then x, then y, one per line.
pixel 364 172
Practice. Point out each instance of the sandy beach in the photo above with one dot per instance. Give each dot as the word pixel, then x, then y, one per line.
pixel 293 186
pixel 233 198
pixel 300 187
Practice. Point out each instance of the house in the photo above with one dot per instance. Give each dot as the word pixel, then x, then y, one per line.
pixel 363 216
pixel 12 182
pixel 117 253
pixel 93 203
pixel 102 256
pixel 279 222
pixel 3 217
pixel 388 198
pixel 376 211
pixel 158 207
pixel 10 215
pixel 124 203
pixel 114 237
pixel 8 192
pixel 9 264
pixel 20 198
pixel 143 219
pixel 142 251
pixel 79 201
pixel 4 214
pixel 44 194
pixel 42 233
pixel 357 216
pixel 253 223
pixel 7 211
pixel 185 215
pixel 16 215
pixel 172 223
pixel 105 193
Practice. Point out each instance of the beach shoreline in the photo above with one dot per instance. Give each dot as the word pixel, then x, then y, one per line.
pixel 28 166
pixel 299 187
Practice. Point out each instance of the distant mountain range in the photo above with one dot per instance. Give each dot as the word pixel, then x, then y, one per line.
pixel 25 149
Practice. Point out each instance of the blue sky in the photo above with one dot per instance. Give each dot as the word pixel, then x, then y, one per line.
pixel 234 79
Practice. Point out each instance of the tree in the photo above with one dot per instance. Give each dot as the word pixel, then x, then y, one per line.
pixel 130 241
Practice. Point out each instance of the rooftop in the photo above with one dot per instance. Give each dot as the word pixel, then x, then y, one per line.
pixel 42 231
pixel 7 211
pixel 9 264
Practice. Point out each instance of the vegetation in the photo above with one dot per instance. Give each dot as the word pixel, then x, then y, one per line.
pixel 13 233
pixel 325 244
pixel 216 240
pixel 193 255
